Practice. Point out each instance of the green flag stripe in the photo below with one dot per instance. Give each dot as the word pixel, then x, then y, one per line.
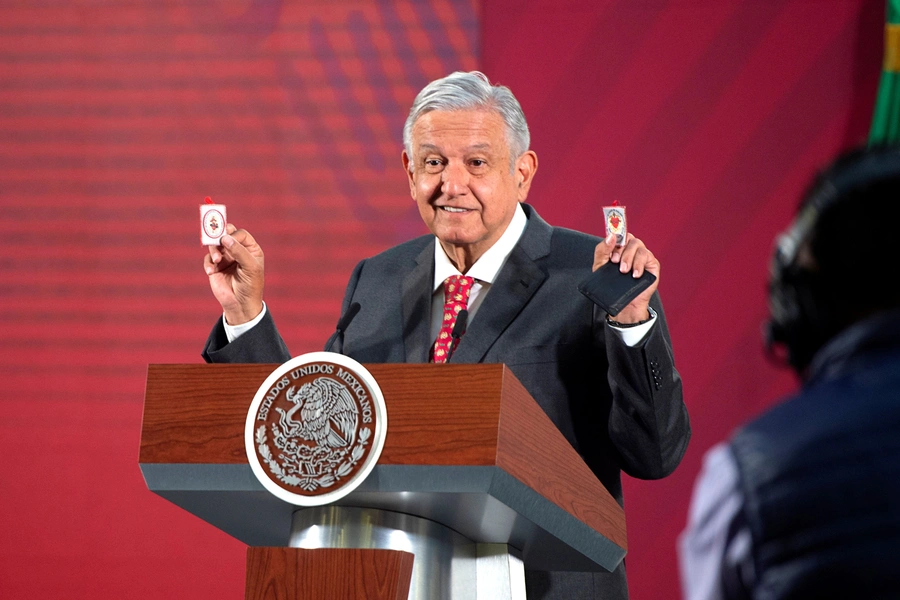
pixel 885 127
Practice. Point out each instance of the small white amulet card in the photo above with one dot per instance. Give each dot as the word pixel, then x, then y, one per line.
pixel 615 222
pixel 212 223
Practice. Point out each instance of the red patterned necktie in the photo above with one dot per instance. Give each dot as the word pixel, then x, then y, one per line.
pixel 456 298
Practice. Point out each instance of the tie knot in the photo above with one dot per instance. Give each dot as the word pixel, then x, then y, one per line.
pixel 456 289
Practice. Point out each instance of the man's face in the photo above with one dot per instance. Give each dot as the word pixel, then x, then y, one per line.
pixel 461 177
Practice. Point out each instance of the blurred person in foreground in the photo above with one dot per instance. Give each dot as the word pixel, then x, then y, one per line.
pixel 610 387
pixel 804 501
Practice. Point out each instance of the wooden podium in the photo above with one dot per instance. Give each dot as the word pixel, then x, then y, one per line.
pixel 488 465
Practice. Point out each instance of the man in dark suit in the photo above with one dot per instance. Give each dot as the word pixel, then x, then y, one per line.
pixel 610 386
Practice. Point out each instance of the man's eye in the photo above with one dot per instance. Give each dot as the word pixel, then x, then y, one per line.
pixel 477 162
pixel 433 163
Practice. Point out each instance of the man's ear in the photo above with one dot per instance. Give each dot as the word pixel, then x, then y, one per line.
pixel 407 164
pixel 526 167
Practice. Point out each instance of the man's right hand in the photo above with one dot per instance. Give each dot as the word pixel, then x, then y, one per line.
pixel 236 275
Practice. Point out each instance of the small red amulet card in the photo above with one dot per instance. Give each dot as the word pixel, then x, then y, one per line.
pixel 212 223
pixel 615 223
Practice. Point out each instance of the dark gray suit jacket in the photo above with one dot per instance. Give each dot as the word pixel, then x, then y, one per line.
pixel 620 407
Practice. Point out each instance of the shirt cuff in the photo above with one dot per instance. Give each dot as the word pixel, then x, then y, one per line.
pixel 632 336
pixel 233 332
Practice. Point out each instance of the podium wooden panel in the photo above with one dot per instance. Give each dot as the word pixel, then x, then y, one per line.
pixel 489 464
pixel 327 574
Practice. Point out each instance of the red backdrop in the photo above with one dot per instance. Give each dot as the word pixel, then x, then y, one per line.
pixel 116 118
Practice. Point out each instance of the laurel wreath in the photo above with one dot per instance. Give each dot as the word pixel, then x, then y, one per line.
pixel 310 484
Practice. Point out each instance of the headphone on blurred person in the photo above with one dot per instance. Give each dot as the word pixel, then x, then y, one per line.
pixel 820 283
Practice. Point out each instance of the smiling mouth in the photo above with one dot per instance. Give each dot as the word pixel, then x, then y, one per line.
pixel 453 209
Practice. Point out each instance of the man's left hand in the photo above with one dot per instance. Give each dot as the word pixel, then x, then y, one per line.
pixel 635 257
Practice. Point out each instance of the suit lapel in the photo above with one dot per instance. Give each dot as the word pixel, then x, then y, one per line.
pixel 514 287
pixel 416 306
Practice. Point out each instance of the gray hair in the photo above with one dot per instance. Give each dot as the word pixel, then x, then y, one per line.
pixel 471 91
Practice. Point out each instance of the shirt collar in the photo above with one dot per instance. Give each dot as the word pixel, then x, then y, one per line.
pixel 485 268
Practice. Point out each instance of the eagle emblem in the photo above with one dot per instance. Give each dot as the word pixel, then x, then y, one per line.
pixel 313 426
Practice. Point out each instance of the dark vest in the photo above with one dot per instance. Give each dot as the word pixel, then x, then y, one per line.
pixel 821 475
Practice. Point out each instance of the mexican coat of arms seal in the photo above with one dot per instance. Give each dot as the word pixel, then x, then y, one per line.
pixel 315 428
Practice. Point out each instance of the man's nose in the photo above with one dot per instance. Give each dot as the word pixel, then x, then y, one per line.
pixel 454 180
